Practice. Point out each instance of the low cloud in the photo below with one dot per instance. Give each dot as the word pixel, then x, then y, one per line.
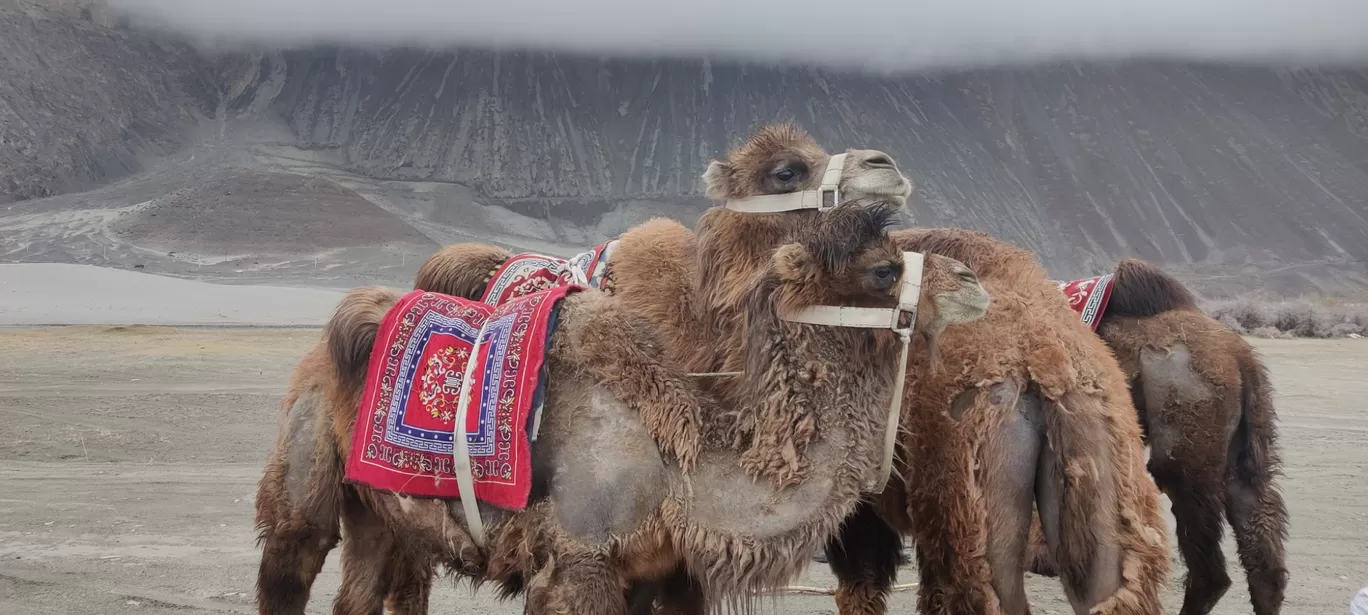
pixel 884 35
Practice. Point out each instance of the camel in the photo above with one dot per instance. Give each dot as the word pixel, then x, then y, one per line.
pixel 612 508
pixel 1029 408
pixel 651 270
pixel 1206 409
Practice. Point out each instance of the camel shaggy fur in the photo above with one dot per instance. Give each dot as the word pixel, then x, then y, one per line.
pixel 690 286
pixel 610 509
pixel 1028 408
pixel 1205 405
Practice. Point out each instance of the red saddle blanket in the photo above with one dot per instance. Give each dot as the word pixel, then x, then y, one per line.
pixel 1089 298
pixel 419 366
pixel 530 272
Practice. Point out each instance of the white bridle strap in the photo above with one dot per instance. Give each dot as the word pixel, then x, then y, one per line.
pixel 465 481
pixel 826 196
pixel 909 295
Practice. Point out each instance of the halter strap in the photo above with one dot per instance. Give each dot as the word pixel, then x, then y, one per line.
pixel 826 196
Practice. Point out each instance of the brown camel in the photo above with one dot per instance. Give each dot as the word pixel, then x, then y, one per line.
pixel 1029 408
pixel 1206 409
pixel 653 275
pixel 613 511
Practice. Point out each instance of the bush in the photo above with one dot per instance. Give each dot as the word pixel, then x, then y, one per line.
pixel 1290 318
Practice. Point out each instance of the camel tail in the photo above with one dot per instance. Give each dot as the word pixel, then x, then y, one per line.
pixel 1254 446
pixel 1140 289
pixel 350 333
pixel 1085 497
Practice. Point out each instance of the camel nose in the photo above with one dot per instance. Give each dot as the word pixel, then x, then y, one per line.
pixel 877 160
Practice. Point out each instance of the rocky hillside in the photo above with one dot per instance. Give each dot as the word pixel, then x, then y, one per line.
pixel 1217 172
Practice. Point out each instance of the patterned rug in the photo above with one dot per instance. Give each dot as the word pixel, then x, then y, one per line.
pixel 530 272
pixel 1089 298
pixel 403 442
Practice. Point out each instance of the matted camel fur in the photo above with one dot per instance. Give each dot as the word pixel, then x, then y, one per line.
pixel 1029 407
pixel 688 285
pixel 612 509
pixel 1205 405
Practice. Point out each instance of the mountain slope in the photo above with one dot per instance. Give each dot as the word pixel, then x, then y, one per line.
pixel 1233 177
pixel 1179 164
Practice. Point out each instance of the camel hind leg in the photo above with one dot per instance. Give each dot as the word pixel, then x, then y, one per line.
pixel 1007 463
pixel 1099 510
pixel 297 508
pixel 368 557
pixel 1259 518
pixel 1189 424
pixel 290 561
pixel 1254 507
pixel 1198 502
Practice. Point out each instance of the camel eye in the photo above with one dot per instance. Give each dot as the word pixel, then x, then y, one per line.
pixel 884 273
pixel 785 175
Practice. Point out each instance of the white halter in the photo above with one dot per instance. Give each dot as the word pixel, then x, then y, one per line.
pixel 826 196
pixel 909 295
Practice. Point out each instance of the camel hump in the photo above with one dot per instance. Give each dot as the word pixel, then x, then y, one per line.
pixel 1140 289
pixel 350 333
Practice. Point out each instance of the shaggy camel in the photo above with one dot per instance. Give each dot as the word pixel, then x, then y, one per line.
pixel 612 511
pixel 1206 409
pixel 1028 408
pixel 690 286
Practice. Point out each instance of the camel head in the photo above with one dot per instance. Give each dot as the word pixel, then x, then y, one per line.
pixel 781 159
pixel 850 260
pixel 845 288
pixel 950 295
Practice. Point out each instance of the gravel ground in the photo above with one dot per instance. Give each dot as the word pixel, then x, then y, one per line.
pixel 129 458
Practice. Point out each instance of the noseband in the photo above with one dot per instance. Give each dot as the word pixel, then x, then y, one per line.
pixel 826 196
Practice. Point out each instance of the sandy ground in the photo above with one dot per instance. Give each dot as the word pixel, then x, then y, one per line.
pixel 129 457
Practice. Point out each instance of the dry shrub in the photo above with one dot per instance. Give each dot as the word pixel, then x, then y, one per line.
pixel 1284 319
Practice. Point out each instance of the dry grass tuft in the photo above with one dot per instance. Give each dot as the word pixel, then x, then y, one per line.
pixel 1287 319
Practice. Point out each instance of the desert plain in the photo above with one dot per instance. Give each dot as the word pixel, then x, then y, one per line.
pixel 131 443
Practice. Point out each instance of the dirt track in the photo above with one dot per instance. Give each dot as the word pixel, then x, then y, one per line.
pixel 129 457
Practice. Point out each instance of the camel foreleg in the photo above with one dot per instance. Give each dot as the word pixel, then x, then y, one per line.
pixel 575 582
pixel 865 557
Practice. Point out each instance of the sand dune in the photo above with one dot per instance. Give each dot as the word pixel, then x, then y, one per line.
pixel 63 294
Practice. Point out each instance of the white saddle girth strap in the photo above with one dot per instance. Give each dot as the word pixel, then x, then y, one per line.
pixel 909 295
pixel 465 480
pixel 793 201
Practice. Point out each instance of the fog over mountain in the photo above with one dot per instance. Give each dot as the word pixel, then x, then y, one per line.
pixel 331 153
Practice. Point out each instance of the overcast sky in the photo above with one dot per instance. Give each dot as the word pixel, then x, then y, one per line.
pixel 876 34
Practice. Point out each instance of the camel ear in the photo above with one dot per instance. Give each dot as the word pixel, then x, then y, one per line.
pixel 717 178
pixel 790 261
